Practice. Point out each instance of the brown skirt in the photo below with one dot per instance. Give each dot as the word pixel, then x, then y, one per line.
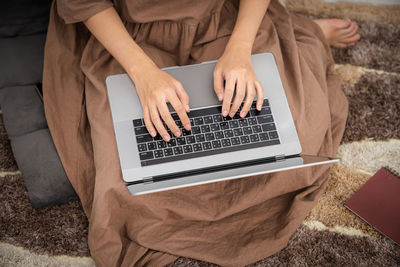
pixel 231 223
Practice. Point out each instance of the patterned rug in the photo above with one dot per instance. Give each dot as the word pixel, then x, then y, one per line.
pixel 330 235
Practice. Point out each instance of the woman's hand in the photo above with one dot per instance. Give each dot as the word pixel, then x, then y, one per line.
pixel 156 88
pixel 236 69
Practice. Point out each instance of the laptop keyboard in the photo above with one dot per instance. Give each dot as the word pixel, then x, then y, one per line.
pixel 210 134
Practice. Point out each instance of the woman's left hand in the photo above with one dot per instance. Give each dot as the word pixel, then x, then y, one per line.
pixel 236 69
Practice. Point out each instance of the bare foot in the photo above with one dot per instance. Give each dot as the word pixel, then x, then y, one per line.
pixel 339 33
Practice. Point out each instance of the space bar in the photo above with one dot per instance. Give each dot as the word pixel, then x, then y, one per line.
pixel 209 152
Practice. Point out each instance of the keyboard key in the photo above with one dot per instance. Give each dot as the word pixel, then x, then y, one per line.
pixel 205 128
pixel 228 133
pixel 152 145
pixel 187 149
pixel 158 153
pixel 268 127
pixel 168 152
pixel 265 119
pixel 191 122
pixel 175 116
pixel 142 147
pixel 265 103
pixel 257 129
pixel 181 141
pixel 186 132
pixel 224 125
pixel 227 118
pixel 254 138
pixel 198 121
pixel 243 122
pixel 178 123
pixel 171 143
pixel 215 127
pixel 273 135
pixel 210 136
pixel 234 124
pixel 157 137
pixel 245 139
pixel 161 144
pixel 237 131
pixel 208 119
pixel 178 150
pixel 219 135
pixel 252 121
pixel 200 138
pixel 137 122
pixel 195 130
pixel 190 139
pixel 207 146
pixel 217 117
pixel 263 136
pixel 263 111
pixel 146 155
pixel 216 144
pixel 143 138
pixel 197 147
pixel 226 142
pixel 235 141
pixel 247 130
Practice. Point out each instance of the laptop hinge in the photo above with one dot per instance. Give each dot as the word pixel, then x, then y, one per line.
pixel 280 157
pixel 147 180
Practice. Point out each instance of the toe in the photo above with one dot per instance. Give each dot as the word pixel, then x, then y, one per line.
pixel 342 24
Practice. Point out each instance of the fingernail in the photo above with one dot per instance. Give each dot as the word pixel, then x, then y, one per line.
pixel 187 126
pixel 259 107
pixel 224 113
pixel 187 108
pixel 166 137
pixel 219 97
pixel 177 133
pixel 242 114
pixel 232 114
pixel 153 133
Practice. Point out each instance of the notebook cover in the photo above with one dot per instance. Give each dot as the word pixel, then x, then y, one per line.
pixel 378 203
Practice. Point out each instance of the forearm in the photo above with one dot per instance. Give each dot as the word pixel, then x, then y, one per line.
pixel 251 13
pixel 109 30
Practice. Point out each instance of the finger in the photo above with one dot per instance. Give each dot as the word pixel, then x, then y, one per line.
pixel 239 95
pixel 250 93
pixel 180 110
pixel 167 118
pixel 219 84
pixel 228 94
pixel 149 124
pixel 183 96
pixel 155 118
pixel 260 95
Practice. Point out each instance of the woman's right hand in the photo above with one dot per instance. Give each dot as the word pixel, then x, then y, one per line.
pixel 156 88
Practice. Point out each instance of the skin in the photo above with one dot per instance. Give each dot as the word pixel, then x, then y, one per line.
pixel 156 87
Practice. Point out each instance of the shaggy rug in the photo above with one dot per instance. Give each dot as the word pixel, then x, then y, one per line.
pixel 330 235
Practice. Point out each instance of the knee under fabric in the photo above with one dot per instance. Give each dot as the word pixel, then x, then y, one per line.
pixel 33 147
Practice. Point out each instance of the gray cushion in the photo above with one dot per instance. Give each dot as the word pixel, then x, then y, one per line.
pixel 21 60
pixel 23 110
pixel 33 147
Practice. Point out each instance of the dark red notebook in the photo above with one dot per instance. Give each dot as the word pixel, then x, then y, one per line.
pixel 378 203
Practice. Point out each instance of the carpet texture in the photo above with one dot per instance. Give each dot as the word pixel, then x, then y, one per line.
pixel 330 235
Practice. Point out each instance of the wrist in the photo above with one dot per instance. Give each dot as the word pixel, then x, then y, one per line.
pixel 239 46
pixel 138 72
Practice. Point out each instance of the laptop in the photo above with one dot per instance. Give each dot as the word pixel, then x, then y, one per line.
pixel 216 148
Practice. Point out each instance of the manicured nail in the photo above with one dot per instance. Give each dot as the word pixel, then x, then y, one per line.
pixel 242 114
pixel 231 114
pixel 187 108
pixel 259 107
pixel 177 133
pixel 166 137
pixel 224 113
pixel 220 97
pixel 153 133
pixel 187 126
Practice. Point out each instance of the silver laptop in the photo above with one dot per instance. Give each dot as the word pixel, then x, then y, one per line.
pixel 216 148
